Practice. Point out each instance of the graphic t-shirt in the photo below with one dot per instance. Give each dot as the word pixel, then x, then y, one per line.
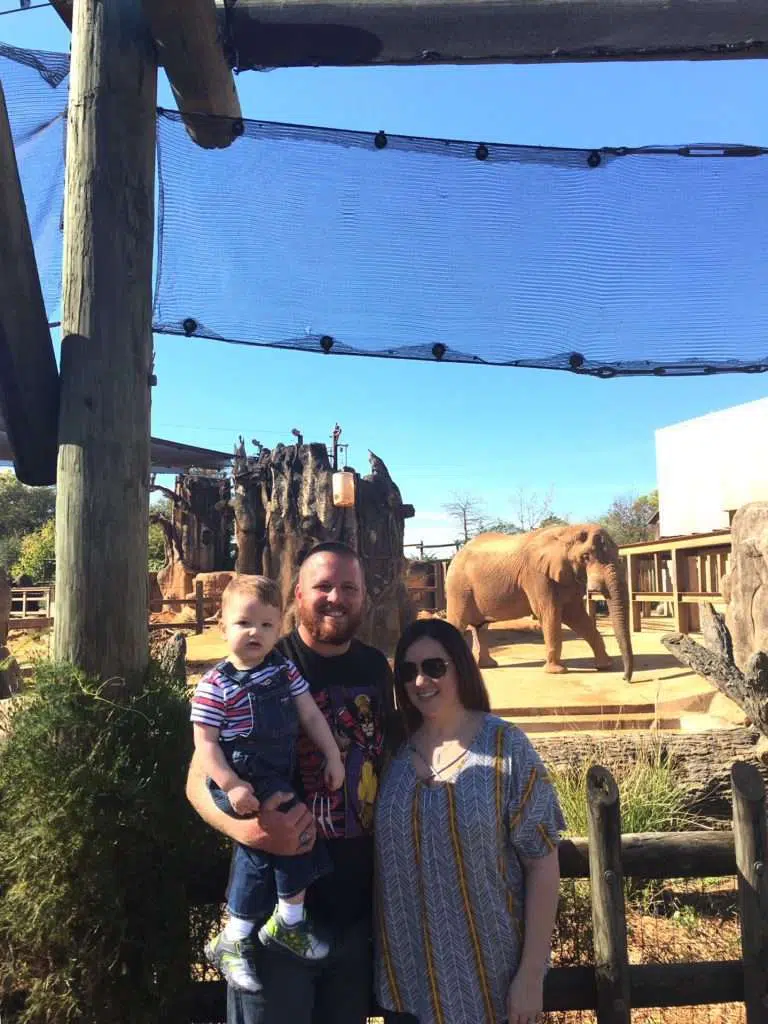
pixel 354 692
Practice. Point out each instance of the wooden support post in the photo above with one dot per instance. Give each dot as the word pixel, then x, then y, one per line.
pixel 635 610
pixel 102 499
pixel 679 581
pixel 749 834
pixel 199 607
pixel 606 874
pixel 29 378
pixel 189 48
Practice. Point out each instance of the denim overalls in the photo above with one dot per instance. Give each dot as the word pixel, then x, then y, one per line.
pixel 264 757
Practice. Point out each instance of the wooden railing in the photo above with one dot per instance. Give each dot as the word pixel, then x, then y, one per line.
pixel 681 572
pixel 197 602
pixel 32 607
pixel 612 986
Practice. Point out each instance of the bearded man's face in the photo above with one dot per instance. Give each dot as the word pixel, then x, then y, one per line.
pixel 330 597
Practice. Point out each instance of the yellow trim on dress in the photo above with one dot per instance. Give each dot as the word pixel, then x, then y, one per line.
pixel 428 951
pixel 490 1013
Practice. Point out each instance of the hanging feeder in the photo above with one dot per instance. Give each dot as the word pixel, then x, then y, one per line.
pixel 343 484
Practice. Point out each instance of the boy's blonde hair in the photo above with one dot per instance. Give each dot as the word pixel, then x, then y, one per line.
pixel 261 588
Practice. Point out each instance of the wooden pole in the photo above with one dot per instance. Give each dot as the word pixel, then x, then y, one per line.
pixel 29 378
pixel 190 50
pixel 199 607
pixel 102 501
pixel 749 833
pixel 606 874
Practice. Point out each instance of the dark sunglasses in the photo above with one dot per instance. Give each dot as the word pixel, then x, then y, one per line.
pixel 434 668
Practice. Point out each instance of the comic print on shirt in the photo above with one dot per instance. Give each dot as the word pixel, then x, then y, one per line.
pixel 354 716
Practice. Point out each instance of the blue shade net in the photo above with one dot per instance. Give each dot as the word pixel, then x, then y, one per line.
pixel 35 88
pixel 603 262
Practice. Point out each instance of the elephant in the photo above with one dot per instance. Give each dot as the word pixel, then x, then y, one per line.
pixel 498 576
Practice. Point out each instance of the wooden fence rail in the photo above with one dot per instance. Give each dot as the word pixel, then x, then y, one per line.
pixel 197 601
pixel 612 986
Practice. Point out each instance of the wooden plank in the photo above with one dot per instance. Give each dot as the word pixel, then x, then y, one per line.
pixel 609 924
pixel 287 33
pixel 721 539
pixel 657 854
pixel 29 378
pixel 189 48
pixel 102 499
pixel 751 842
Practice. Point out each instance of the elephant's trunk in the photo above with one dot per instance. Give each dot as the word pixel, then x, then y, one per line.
pixel 617 598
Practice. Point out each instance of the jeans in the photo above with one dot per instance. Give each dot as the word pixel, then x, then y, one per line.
pixel 257 878
pixel 336 991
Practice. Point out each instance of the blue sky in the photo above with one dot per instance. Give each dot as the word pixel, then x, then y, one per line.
pixel 443 428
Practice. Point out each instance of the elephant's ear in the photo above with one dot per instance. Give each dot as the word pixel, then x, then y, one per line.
pixel 552 560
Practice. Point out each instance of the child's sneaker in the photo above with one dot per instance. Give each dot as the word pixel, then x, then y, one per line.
pixel 298 939
pixel 234 960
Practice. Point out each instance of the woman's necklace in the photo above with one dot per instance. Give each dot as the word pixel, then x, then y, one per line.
pixel 463 740
pixel 435 770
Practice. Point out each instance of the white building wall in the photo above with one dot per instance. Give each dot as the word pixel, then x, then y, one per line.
pixel 710 465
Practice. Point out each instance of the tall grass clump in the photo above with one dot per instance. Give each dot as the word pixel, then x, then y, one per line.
pixel 97 843
pixel 651 797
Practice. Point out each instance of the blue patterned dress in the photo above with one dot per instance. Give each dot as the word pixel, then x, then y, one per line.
pixel 450 884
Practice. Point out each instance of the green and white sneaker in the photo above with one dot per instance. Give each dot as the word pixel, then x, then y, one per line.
pixel 298 939
pixel 234 960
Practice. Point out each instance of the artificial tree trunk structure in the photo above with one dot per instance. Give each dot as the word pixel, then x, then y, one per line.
pixel 197 533
pixel 283 506
pixel 735 655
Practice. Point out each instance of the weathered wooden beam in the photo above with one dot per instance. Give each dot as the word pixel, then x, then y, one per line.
pixel 748 689
pixel 751 842
pixel 573 988
pixel 102 500
pixel 701 761
pixel 190 49
pixel 656 854
pixel 606 875
pixel 29 378
pixel 287 33
pixel 64 10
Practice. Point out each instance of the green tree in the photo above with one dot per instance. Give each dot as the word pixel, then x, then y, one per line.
pixel 628 519
pixel 23 509
pixel 156 547
pixel 502 526
pixel 163 507
pixel 37 558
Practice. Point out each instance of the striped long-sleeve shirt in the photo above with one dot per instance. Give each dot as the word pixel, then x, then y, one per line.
pixel 221 697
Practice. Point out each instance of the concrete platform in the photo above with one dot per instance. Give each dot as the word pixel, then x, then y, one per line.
pixel 662 695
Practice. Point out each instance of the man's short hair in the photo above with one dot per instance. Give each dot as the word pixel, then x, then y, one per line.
pixel 333 547
pixel 260 588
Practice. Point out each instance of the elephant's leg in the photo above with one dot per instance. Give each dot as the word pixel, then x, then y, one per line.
pixel 549 615
pixel 480 647
pixel 575 615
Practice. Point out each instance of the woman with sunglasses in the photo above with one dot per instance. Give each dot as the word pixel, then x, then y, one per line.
pixel 466 833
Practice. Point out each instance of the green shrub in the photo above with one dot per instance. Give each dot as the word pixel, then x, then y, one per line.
pixel 96 844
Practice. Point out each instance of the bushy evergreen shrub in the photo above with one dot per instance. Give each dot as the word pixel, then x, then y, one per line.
pixel 97 843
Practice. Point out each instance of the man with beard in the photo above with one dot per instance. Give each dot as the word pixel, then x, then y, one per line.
pixel 330 600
